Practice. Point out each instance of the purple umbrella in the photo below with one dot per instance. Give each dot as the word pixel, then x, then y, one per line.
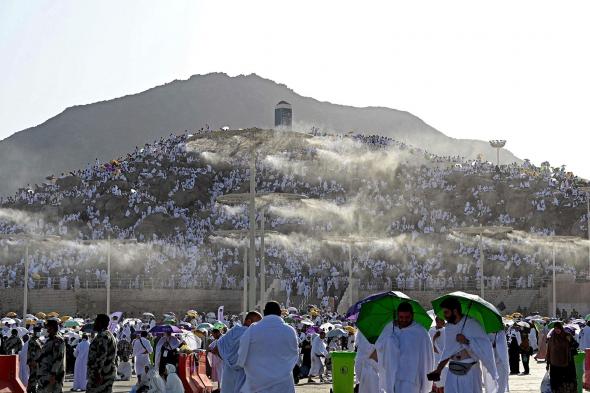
pixel 161 329
pixel 312 330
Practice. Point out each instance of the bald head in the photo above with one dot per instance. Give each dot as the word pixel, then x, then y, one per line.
pixel 252 317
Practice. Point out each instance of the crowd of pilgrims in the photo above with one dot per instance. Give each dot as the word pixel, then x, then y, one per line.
pixel 406 356
pixel 417 203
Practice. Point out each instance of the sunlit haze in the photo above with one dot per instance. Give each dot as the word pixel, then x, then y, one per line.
pixel 482 70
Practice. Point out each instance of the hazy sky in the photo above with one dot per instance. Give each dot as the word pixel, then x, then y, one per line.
pixel 517 70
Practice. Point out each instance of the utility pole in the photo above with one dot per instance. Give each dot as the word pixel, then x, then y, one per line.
pixel 108 283
pixel 252 223
pixel 262 262
pixel 26 281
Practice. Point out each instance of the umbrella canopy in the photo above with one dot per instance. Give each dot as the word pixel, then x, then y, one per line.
pixel 53 314
pixel 376 313
pixel 312 330
pixel 206 326
pixel 41 315
pixel 6 320
pixel 475 307
pixel 350 329
pixel 148 315
pixel 169 322
pixel 161 329
pixel 219 325
pixel 88 328
pixel 307 322
pixel 192 313
pixel 65 318
pixel 337 333
pixel 22 331
pixel 72 323
pixel 587 317
pixel 11 314
pixel 523 324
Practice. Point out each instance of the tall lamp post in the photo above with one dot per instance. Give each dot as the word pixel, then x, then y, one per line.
pixel 555 241
pixel 27 239
pixel 498 144
pixel 242 234
pixel 349 240
pixel 264 200
pixel 109 244
pixel 586 189
pixel 480 232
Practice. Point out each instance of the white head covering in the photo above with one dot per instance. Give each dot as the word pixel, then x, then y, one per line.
pixel 173 382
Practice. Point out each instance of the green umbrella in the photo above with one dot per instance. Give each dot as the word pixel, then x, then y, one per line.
pixel 72 323
pixel 206 326
pixel 219 325
pixel 587 317
pixel 475 307
pixel 379 310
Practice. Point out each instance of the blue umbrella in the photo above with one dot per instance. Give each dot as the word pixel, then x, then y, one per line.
pixel 161 329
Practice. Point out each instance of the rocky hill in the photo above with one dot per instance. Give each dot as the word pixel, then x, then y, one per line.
pixel 111 128
pixel 400 200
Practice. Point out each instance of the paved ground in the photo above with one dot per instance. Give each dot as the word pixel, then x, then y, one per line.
pixel 518 384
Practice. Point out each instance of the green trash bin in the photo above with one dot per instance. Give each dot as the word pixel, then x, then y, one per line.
pixel 579 362
pixel 342 372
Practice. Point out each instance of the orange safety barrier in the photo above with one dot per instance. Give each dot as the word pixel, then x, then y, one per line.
pixel 185 367
pixel 192 372
pixel 201 372
pixel 586 384
pixel 9 380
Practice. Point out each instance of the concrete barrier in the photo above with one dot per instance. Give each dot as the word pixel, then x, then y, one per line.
pixel 9 380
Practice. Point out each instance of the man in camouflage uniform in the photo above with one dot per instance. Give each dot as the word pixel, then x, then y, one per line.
pixel 13 344
pixel 52 361
pixel 102 358
pixel 32 354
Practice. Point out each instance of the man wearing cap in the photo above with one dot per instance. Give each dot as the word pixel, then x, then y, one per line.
pixel 52 360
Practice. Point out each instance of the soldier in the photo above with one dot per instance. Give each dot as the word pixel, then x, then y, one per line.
pixel 52 360
pixel 13 344
pixel 32 354
pixel 102 358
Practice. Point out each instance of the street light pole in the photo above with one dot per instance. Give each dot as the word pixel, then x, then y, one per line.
pixel 245 299
pixel 350 273
pixel 481 260
pixel 554 292
pixel 108 283
pixel 252 223
pixel 262 262
pixel 587 191
pixel 26 282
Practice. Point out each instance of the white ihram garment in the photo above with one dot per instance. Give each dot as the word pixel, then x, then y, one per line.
pixel 80 367
pixel 141 350
pixel 23 368
pixel 318 347
pixel 268 353
pixel 405 356
pixel 479 349
pixel 500 346
pixel 366 369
